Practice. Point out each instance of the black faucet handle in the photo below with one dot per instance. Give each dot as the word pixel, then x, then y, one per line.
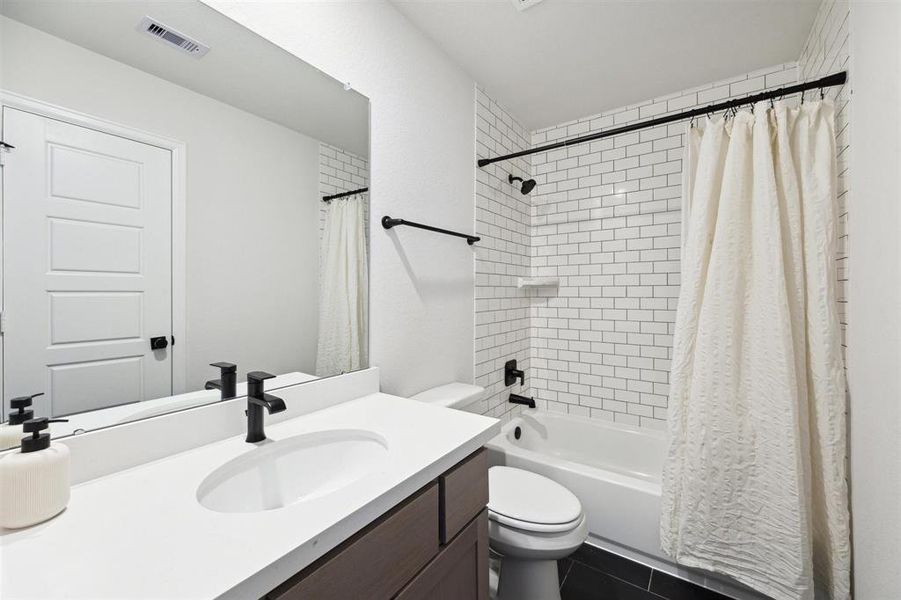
pixel 225 367
pixel 255 383
pixel 511 373
pixel 258 376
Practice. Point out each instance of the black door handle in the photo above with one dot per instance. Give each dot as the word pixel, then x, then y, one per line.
pixel 159 342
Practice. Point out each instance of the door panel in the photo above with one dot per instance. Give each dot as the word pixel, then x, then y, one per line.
pixel 100 248
pixel 74 386
pixel 87 265
pixel 94 316
pixel 91 177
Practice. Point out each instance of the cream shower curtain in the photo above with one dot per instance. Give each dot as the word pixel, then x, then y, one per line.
pixel 343 289
pixel 754 484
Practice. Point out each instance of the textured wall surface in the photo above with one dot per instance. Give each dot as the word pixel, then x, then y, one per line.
pixel 874 298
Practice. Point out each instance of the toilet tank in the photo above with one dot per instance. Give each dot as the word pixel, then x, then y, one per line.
pixel 451 395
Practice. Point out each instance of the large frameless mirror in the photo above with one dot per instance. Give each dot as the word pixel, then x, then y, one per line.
pixel 177 192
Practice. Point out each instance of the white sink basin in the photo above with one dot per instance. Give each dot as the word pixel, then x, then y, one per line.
pixel 295 469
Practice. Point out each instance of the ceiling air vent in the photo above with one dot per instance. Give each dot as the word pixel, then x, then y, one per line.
pixel 521 5
pixel 172 37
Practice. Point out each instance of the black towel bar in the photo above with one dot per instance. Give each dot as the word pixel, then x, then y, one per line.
pixel 388 223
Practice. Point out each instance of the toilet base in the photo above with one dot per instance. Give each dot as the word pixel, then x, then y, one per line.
pixel 528 580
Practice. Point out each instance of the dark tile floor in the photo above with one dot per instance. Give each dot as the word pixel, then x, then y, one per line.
pixel 595 574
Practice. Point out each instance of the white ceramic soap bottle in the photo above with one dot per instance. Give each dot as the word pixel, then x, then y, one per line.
pixel 11 432
pixel 34 482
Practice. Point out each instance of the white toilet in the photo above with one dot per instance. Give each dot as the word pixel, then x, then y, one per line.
pixel 532 520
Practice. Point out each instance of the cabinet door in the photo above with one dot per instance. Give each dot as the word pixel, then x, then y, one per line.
pixel 463 494
pixel 459 572
pixel 378 561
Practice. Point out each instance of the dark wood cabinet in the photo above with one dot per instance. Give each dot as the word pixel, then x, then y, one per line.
pixel 460 570
pixel 376 562
pixel 462 494
pixel 433 545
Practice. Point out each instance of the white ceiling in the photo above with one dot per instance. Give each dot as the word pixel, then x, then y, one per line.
pixel 241 69
pixel 563 59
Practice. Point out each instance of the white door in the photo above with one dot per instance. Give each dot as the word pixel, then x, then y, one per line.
pixel 87 261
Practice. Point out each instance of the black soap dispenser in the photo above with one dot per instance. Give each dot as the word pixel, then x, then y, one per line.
pixel 11 432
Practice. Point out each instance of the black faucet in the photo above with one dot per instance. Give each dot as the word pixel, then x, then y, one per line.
pixel 227 382
pixel 257 400
pixel 517 399
pixel 511 373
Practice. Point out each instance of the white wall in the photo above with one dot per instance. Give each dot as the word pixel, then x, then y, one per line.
pixel 252 201
pixel 422 141
pixel 874 299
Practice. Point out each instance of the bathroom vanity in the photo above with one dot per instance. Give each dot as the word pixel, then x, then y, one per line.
pixel 432 545
pixel 411 524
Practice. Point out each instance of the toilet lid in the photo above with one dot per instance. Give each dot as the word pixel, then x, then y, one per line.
pixel 530 498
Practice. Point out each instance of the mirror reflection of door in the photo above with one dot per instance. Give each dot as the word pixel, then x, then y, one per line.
pixel 88 228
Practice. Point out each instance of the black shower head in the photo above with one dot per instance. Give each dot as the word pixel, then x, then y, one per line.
pixel 527 185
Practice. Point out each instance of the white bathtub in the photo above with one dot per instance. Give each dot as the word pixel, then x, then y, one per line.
pixel 615 471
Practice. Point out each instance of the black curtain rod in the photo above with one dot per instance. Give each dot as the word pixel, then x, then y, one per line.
pixel 824 82
pixel 388 223
pixel 343 194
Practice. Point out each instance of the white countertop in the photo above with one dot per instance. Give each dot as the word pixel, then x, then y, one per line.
pixel 141 533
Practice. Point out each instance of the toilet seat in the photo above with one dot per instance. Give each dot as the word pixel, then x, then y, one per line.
pixel 533 527
pixel 530 502
pixel 535 545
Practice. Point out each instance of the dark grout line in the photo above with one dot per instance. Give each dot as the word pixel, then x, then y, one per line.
pixel 622 581
pixel 613 575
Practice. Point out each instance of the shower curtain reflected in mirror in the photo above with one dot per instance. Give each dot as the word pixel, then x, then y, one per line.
pixel 343 302
pixel 755 480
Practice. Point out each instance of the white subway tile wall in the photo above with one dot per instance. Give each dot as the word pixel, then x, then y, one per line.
pixel 826 52
pixel 503 219
pixel 340 171
pixel 606 221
